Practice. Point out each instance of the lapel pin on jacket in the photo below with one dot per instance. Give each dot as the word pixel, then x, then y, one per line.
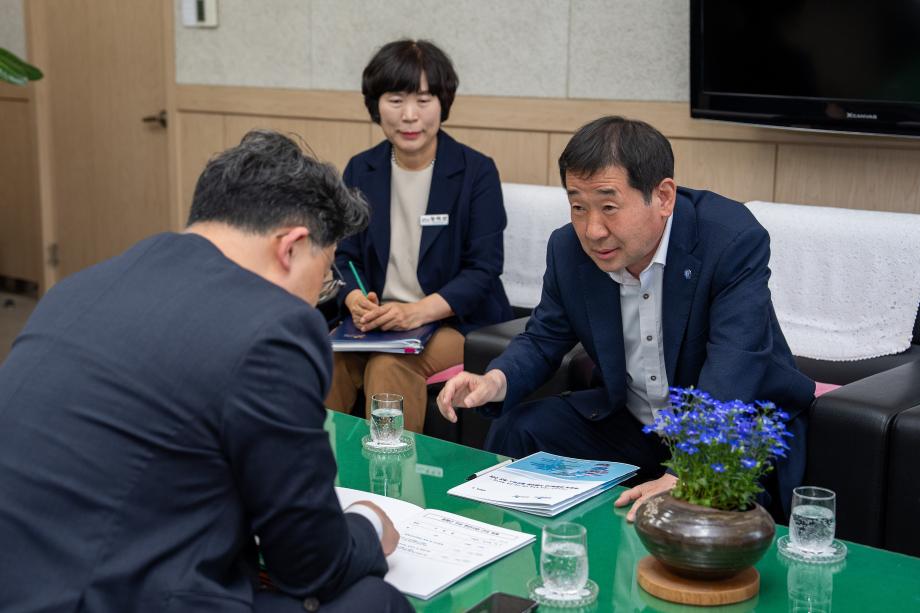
pixel 687 274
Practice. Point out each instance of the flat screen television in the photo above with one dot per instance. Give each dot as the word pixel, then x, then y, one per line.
pixel 841 65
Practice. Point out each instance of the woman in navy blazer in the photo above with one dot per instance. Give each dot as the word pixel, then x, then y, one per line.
pixel 434 249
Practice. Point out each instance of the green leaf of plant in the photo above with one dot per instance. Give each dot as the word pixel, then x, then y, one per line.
pixel 15 70
pixel 11 77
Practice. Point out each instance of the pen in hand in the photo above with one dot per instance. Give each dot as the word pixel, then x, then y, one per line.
pixel 354 271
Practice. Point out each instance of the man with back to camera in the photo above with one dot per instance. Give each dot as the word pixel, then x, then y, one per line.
pixel 161 408
pixel 663 286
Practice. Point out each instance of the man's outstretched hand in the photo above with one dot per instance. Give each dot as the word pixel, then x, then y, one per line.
pixel 638 494
pixel 467 390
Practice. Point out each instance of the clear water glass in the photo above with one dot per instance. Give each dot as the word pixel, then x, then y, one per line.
pixel 564 558
pixel 813 520
pixel 386 418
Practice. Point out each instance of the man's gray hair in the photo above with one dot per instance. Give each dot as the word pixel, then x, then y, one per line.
pixel 267 182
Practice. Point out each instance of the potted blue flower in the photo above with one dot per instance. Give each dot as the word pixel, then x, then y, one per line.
pixel 709 526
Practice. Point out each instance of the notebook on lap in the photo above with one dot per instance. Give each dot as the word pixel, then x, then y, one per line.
pixel 346 337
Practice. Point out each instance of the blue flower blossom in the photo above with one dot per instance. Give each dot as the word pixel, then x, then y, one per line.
pixel 719 449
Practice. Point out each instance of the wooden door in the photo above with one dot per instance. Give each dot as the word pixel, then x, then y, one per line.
pixel 106 170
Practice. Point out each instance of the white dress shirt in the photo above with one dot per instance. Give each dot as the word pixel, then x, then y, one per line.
pixel 640 309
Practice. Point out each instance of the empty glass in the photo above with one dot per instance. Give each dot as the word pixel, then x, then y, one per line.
pixel 564 558
pixel 386 418
pixel 812 525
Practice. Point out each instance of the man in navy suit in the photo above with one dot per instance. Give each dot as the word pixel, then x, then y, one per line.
pixel 663 286
pixel 165 407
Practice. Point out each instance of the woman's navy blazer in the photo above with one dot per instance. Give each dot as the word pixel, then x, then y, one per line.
pixel 462 260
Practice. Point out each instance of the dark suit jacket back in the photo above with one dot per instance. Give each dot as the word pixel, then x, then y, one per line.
pixel 157 411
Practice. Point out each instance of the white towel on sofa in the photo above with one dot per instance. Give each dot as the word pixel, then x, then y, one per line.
pixel 534 211
pixel 845 283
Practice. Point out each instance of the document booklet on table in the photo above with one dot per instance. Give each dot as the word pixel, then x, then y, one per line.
pixel 544 484
pixel 347 337
pixel 436 548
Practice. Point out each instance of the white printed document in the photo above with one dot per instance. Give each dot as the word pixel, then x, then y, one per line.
pixel 544 484
pixel 436 548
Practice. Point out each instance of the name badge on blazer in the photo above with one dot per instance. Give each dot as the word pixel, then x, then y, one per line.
pixel 434 220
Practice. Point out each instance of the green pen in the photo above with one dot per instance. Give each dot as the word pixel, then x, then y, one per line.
pixel 357 278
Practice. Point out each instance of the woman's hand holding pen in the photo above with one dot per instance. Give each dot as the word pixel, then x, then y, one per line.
pixel 394 316
pixel 368 314
pixel 359 305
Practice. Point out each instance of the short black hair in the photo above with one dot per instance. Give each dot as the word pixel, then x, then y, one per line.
pixel 641 150
pixel 267 182
pixel 398 67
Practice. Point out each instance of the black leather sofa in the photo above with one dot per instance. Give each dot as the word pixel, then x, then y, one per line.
pixel 863 440
pixel 902 507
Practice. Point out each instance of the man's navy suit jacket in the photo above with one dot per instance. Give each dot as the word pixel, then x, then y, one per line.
pixel 719 330
pixel 461 261
pixel 157 411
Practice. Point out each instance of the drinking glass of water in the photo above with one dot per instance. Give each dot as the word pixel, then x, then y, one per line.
pixel 811 527
pixel 564 558
pixel 386 418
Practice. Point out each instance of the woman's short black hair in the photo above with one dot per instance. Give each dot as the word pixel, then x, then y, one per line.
pixel 641 150
pixel 398 67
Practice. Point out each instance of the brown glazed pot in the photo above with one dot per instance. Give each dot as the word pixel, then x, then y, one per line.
pixel 701 542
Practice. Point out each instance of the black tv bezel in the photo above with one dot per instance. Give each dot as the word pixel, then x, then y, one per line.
pixel 876 117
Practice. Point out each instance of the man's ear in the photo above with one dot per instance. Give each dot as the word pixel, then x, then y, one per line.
pixel 285 242
pixel 666 196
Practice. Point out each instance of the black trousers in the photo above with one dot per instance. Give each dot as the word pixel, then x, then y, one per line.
pixel 554 425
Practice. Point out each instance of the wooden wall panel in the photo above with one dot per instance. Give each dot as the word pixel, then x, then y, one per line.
pixel 236 126
pixel 520 156
pixel 201 135
pixel 20 222
pixel 336 141
pixel 742 171
pixel 311 104
pixel 857 178
pixel 557 143
pixel 510 113
pixel 526 136
pixel 331 141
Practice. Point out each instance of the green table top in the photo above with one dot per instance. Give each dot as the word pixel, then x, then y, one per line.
pixel 869 580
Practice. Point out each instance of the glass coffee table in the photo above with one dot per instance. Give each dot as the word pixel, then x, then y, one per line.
pixel 868 580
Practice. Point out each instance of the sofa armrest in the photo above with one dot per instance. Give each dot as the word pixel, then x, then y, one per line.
pixel 849 434
pixel 903 504
pixel 485 344
pixel 843 373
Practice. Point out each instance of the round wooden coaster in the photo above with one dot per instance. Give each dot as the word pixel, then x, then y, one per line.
pixel 658 581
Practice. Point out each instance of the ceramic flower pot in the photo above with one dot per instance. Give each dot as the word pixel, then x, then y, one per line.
pixel 701 542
